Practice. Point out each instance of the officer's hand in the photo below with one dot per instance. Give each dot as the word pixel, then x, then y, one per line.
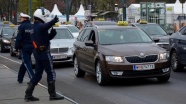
pixel 56 18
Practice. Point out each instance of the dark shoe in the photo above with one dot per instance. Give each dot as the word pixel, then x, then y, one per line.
pixel 31 98
pixel 56 97
pixel 29 91
pixel 52 92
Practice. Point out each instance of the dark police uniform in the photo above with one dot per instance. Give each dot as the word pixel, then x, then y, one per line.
pixel 41 41
pixel 24 43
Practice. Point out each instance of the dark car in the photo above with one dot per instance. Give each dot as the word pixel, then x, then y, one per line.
pixel 112 52
pixel 155 31
pixel 177 43
pixel 5 35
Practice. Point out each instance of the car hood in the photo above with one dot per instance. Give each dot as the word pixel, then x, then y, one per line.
pixel 59 43
pixel 131 49
pixel 164 38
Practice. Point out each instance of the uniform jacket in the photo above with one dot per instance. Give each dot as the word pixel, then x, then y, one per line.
pixel 41 35
pixel 23 36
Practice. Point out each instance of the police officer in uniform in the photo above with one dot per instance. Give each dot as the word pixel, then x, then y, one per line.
pixel 24 44
pixel 41 42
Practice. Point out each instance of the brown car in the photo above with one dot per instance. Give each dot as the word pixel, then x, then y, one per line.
pixel 119 52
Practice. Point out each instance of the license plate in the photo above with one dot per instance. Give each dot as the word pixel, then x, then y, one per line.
pixel 143 67
pixel 59 56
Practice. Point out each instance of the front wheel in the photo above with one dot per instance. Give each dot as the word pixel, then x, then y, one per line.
pixel 77 71
pixel 175 64
pixel 101 78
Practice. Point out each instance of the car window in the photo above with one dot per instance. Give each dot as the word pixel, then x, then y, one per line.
pixel 152 29
pixel 63 34
pixel 122 36
pixel 85 35
pixel 92 36
pixel 8 32
pixel 73 29
pixel 183 31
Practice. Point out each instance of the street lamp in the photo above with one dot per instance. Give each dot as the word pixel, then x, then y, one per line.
pixel 67 11
pixel 124 9
pixel 31 9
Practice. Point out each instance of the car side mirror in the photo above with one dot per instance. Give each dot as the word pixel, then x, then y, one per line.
pixel 156 40
pixel 89 43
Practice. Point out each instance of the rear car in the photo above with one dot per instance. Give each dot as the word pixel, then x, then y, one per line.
pixel 178 50
pixel 154 31
pixel 5 36
pixel 73 29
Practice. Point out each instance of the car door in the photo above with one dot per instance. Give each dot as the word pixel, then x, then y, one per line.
pixel 90 52
pixel 80 47
pixel 181 43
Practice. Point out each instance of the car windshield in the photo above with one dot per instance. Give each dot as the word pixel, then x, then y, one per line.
pixel 73 29
pixel 63 34
pixel 152 29
pixel 122 36
pixel 8 32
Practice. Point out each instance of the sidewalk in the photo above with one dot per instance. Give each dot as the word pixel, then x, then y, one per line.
pixel 11 92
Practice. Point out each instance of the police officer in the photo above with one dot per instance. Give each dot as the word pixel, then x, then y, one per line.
pixel 24 44
pixel 41 41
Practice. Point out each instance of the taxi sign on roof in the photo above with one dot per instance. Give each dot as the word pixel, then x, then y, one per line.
pixel 12 25
pixel 6 22
pixel 122 23
pixel 143 22
pixel 66 23
pixel 56 25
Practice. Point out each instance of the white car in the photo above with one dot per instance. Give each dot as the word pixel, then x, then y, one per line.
pixel 73 29
pixel 61 47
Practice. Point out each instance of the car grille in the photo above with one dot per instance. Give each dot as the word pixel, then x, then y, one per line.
pixel 137 59
pixel 58 50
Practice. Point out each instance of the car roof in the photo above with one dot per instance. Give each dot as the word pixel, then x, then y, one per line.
pixel 60 27
pixel 103 22
pixel 144 23
pixel 113 27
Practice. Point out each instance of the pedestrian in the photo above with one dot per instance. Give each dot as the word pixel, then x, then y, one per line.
pixel 24 44
pixel 41 42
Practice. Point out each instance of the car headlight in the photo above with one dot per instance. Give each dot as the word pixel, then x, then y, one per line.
pixel 6 41
pixel 114 58
pixel 164 56
pixel 71 49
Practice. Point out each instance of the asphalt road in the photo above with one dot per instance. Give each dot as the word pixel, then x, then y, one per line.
pixel 128 91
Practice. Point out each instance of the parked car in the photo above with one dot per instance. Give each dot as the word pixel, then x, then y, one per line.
pixel 112 52
pixel 61 46
pixel 177 43
pixel 73 29
pixel 154 31
pixel 5 35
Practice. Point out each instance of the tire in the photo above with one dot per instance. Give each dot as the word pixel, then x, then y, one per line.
pixel 101 78
pixel 163 78
pixel 2 49
pixel 77 71
pixel 175 64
